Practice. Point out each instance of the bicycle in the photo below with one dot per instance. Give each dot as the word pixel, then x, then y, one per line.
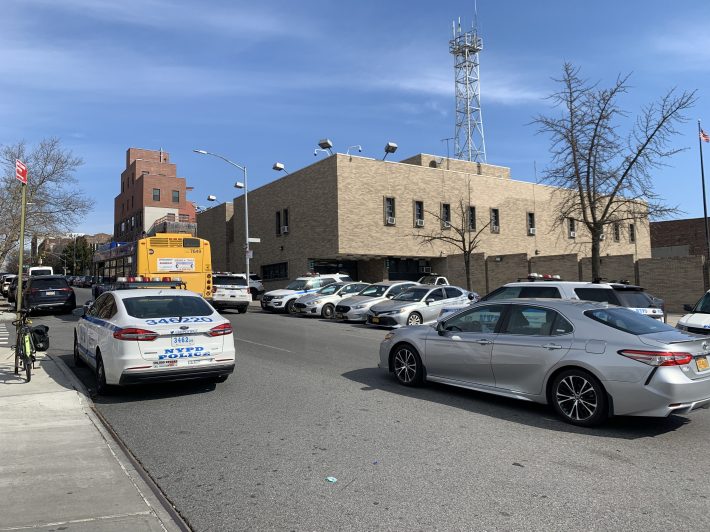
pixel 24 346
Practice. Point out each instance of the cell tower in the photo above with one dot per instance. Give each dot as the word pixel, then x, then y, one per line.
pixel 469 142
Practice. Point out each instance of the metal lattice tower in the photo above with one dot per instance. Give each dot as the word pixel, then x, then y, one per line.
pixel 469 142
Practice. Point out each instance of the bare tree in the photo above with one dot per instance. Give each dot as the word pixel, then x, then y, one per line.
pixel 460 232
pixel 55 202
pixel 604 177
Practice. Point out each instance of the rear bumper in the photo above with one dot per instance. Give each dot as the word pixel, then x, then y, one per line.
pixel 179 374
pixel 230 304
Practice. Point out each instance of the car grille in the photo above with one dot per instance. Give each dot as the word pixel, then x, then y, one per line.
pixel 386 321
pixel 697 330
pixel 342 309
pixel 266 299
pixel 299 305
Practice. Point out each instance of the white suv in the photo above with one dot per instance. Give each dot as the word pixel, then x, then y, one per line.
pixel 230 290
pixel 698 318
pixel 283 300
pixel 255 286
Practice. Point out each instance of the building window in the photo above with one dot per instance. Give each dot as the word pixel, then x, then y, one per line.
pixel 632 233
pixel 389 211
pixel 284 221
pixel 531 224
pixel 571 228
pixel 156 194
pixel 122 186
pixel 445 215
pixel 278 222
pixel 495 221
pixel 471 218
pixel 418 214
pixel 616 229
pixel 272 272
pixel 176 196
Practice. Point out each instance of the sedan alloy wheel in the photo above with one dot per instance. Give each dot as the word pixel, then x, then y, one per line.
pixel 407 365
pixel 579 398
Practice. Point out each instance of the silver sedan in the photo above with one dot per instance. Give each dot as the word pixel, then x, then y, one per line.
pixel 419 305
pixel 588 360
pixel 322 303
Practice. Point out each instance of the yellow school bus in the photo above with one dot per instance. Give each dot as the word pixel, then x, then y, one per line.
pixel 163 257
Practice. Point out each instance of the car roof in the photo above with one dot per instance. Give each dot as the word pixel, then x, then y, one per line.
pixel 390 283
pixel 577 304
pixel 32 277
pixel 577 284
pixel 136 292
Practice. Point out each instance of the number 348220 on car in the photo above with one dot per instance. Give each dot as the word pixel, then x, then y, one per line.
pixel 145 335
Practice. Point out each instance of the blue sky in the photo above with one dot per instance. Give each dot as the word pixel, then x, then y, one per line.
pixel 264 81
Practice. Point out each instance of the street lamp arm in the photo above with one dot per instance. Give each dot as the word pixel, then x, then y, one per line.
pixel 204 152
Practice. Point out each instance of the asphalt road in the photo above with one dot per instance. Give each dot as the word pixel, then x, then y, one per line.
pixel 307 402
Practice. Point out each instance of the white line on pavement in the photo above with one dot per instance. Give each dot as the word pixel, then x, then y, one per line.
pixel 264 345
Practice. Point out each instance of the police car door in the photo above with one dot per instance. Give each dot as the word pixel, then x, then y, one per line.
pixel 88 328
pixel 104 333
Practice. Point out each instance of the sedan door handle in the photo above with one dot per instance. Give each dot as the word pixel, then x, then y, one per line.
pixel 483 342
pixel 552 346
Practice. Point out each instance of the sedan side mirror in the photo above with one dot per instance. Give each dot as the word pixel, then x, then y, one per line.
pixel 471 297
pixel 79 311
pixel 440 328
pixel 430 300
pixel 688 308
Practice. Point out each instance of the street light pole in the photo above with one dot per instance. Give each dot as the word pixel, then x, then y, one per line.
pixel 244 185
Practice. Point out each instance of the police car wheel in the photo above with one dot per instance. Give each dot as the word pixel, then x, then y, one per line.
pixel 101 387
pixel 328 311
pixel 242 310
pixel 77 359
pixel 290 306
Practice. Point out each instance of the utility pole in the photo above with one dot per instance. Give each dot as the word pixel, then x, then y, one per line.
pixel 21 175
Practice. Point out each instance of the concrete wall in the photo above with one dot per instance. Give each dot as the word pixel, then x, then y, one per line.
pixel 613 268
pixel 566 266
pixel 677 280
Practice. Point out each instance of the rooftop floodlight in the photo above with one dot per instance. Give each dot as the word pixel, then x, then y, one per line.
pixel 315 152
pixel 390 147
pixel 211 198
pixel 326 144
pixel 359 148
pixel 280 167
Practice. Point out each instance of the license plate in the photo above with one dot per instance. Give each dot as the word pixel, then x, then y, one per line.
pixel 49 293
pixel 196 361
pixel 164 363
pixel 339 316
pixel 702 363
pixel 375 320
pixel 182 340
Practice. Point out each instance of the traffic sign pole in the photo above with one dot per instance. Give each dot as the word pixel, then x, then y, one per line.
pixel 21 175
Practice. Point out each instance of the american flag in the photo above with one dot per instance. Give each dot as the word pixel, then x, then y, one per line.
pixel 704 136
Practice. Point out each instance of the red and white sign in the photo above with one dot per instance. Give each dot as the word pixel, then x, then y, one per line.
pixel 20 171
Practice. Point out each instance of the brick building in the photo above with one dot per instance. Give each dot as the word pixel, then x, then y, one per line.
pixel 678 238
pixel 361 215
pixel 150 192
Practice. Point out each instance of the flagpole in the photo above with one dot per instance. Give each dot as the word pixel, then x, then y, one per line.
pixel 705 205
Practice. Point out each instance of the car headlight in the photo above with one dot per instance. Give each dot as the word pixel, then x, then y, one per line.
pixel 316 302
pixel 277 297
pixel 359 307
pixel 389 336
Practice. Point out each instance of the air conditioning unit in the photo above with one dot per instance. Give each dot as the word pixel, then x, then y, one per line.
pixel 531 230
pixel 447 225
pixel 391 220
pixel 573 234
pixel 284 229
pixel 495 228
pixel 602 237
pixel 419 223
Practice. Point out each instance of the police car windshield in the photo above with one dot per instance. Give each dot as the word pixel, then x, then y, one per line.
pixel 147 307
pixel 703 306
pixel 298 284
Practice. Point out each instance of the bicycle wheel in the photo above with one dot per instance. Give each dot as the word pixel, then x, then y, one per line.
pixel 27 354
pixel 17 358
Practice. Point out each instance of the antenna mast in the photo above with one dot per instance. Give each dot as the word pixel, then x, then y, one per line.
pixel 469 142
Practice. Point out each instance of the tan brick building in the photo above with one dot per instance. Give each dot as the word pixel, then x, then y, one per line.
pixel 150 191
pixel 363 216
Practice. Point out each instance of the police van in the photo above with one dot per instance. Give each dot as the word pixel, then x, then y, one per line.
pixel 144 335
pixel 283 300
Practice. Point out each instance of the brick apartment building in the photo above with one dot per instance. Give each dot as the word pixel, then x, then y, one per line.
pixel 150 192
pixel 56 244
pixel 363 216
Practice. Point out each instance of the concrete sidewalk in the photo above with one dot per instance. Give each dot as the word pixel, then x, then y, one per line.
pixel 59 467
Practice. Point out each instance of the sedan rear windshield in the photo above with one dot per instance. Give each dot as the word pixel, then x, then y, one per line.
pixel 146 307
pixel 628 321
pixel 227 280
pixel 48 284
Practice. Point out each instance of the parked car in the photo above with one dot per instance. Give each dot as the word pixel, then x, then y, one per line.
pixel 620 294
pixel 588 360
pixel 256 287
pixel 355 308
pixel 6 280
pixel 12 289
pixel 698 318
pixel 230 291
pixel 418 305
pixel 322 302
pixel 48 292
pixel 433 278
pixel 283 300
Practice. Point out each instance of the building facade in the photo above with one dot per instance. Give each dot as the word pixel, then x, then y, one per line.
pixel 678 238
pixel 150 193
pixel 370 218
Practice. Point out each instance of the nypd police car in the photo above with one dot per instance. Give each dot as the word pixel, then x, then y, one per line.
pixel 283 300
pixel 144 335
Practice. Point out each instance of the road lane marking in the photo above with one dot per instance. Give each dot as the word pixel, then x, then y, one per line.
pixel 264 345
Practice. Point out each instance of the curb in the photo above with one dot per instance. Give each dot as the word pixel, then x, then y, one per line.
pixel 144 483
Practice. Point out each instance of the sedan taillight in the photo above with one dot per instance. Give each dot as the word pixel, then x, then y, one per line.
pixel 658 358
pixel 221 330
pixel 131 333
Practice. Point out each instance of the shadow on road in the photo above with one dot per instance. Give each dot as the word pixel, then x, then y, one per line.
pixel 521 412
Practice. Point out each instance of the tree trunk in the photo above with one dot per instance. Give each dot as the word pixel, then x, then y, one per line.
pixel 596 258
pixel 467 267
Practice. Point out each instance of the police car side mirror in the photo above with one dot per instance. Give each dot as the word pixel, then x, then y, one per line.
pixel 688 308
pixel 79 312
